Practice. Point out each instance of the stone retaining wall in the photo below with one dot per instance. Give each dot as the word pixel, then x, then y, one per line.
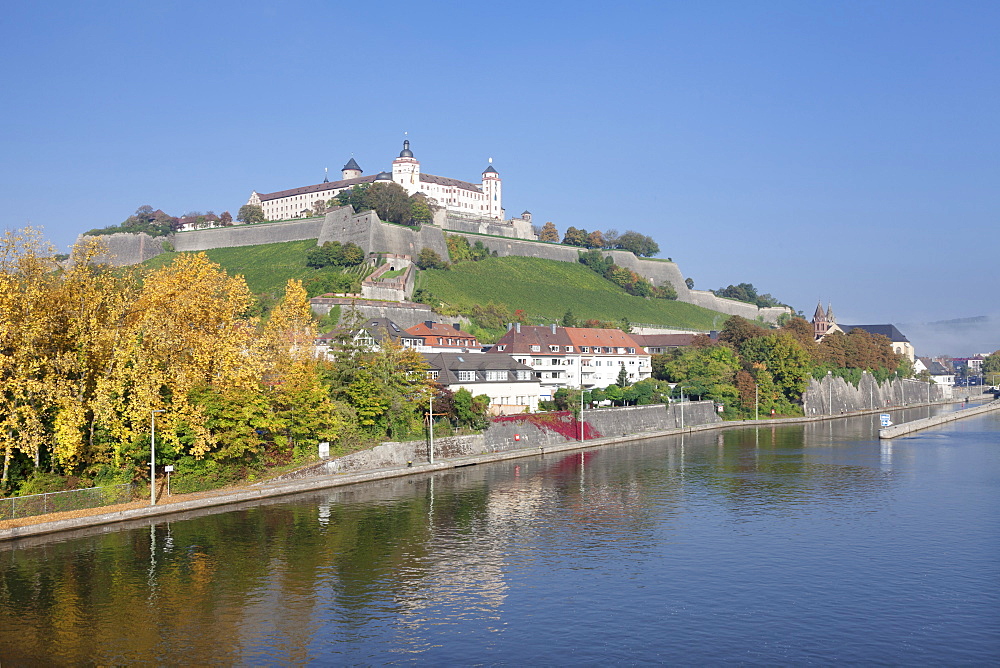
pixel 833 396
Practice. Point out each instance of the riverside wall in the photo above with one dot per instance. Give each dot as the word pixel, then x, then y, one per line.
pixel 524 432
pixel 834 396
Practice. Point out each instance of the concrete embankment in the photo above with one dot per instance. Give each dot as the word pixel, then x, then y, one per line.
pixel 923 423
pixel 317 482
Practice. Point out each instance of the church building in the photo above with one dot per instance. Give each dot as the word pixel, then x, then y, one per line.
pixel 825 323
pixel 478 200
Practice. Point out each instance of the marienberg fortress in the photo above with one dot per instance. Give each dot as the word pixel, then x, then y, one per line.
pixel 460 207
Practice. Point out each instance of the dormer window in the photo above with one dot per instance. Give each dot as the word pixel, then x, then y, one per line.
pixel 553 349
pixel 502 347
pixel 536 348
pixel 584 349
pixel 569 349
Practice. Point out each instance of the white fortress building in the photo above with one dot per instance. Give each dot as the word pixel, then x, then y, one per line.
pixel 483 200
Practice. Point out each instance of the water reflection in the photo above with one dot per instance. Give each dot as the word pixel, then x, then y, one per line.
pixel 353 573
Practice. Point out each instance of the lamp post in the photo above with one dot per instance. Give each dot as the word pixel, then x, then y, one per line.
pixel 756 402
pixel 681 387
pixel 581 407
pixel 829 384
pixel 152 455
pixel 430 425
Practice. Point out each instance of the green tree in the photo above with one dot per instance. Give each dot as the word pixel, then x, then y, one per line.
pixel 355 197
pixel 569 320
pixel 429 259
pixel 390 202
pixel 250 213
pixel 784 358
pixel 991 367
pixel 420 210
pixel 575 237
pixel 471 411
pixel 622 380
pixel 638 244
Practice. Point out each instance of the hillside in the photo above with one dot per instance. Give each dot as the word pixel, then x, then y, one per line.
pixel 266 268
pixel 546 289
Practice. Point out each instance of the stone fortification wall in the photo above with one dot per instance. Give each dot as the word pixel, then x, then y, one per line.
pixel 248 235
pixel 404 314
pixel 397 289
pixel 127 249
pixel 459 223
pixel 707 300
pixel 372 235
pixel 833 396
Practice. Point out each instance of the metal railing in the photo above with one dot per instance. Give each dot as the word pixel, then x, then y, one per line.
pixel 56 502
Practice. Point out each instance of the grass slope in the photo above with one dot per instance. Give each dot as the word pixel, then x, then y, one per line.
pixel 546 289
pixel 266 268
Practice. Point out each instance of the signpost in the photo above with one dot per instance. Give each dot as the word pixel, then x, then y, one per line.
pixel 884 419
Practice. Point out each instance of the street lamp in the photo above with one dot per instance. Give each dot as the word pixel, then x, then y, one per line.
pixel 152 455
pixel 829 384
pixel 430 425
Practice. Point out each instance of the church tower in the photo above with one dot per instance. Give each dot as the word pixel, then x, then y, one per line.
pixel 351 170
pixel 820 322
pixel 406 169
pixel 493 189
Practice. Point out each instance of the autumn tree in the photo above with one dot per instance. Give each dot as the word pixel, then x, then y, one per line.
pixel 189 327
pixel 549 233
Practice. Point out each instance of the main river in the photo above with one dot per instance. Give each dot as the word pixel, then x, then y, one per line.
pixel 788 545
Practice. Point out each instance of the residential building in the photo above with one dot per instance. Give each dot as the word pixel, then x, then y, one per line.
pixel 657 344
pixel 574 356
pixel 438 337
pixel 511 386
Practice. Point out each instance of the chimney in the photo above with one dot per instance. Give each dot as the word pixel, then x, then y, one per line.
pixel 553 328
pixel 429 323
pixel 517 328
pixel 458 327
pixel 510 326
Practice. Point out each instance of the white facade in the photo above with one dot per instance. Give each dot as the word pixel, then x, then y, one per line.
pixel 484 200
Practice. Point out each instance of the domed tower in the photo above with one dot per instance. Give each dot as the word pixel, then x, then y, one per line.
pixel 406 169
pixel 351 170
pixel 493 189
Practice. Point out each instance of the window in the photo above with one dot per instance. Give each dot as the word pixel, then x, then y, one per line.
pixel 536 348
pixel 569 349
pixel 584 349
pixel 496 375
pixel 524 375
pixel 466 376
pixel 503 347
pixel 553 349
pixel 433 375
pixel 631 351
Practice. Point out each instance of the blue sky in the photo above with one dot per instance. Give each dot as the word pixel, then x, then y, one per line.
pixel 843 151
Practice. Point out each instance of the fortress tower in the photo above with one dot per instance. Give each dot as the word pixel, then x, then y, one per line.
pixel 492 188
pixel 406 169
pixel 351 170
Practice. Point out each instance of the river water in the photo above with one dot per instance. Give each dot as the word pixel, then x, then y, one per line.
pixel 812 544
